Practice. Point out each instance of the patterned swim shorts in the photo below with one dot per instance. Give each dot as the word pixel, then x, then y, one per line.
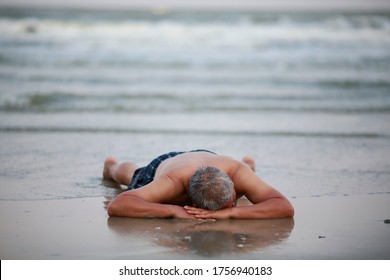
pixel 144 175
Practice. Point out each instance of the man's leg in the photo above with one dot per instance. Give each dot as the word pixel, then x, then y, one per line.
pixel 250 161
pixel 122 173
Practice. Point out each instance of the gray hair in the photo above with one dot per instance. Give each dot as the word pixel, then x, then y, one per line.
pixel 210 188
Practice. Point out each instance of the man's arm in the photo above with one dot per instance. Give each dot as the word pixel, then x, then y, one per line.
pixel 267 201
pixel 148 201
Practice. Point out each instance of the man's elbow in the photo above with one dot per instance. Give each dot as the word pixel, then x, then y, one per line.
pixel 288 210
pixel 112 209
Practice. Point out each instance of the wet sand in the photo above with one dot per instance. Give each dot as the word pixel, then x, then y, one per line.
pixel 349 227
pixel 53 199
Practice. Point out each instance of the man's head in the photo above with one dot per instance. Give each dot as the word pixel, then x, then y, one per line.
pixel 211 188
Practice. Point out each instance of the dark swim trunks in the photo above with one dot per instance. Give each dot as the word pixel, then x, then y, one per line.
pixel 144 175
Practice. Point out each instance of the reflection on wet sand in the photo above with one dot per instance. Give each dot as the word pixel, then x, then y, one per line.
pixel 206 239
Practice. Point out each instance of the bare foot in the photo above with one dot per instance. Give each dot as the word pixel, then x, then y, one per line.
pixel 108 164
pixel 250 161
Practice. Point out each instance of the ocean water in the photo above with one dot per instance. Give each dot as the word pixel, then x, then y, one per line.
pixel 307 94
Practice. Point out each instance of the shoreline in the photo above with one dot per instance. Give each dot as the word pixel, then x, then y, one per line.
pixel 324 228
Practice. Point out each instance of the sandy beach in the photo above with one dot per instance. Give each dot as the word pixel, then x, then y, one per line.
pixel 53 200
pixel 323 229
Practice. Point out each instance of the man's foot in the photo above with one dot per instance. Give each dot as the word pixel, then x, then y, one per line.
pixel 108 164
pixel 250 161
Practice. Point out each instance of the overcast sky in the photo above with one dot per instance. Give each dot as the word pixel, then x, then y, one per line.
pixel 228 4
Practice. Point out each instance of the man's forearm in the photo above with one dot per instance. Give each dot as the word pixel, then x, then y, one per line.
pixel 272 208
pixel 134 207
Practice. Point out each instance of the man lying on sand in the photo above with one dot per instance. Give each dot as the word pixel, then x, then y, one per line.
pixel 197 184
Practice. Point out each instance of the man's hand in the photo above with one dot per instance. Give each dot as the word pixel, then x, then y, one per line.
pixel 181 213
pixel 203 214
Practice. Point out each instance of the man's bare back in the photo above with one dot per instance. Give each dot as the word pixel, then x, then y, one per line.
pixel 167 195
pixel 180 169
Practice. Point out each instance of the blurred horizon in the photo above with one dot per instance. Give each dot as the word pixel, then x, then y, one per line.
pixel 162 6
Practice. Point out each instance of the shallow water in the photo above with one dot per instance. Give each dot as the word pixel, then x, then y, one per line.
pixel 307 94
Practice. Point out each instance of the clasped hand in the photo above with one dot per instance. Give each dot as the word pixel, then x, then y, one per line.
pixel 203 214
